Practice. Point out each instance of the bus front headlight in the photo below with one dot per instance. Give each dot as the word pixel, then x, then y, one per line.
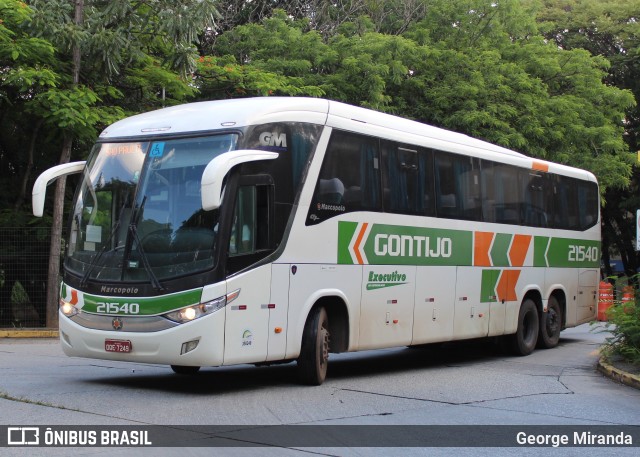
pixel 67 308
pixel 191 313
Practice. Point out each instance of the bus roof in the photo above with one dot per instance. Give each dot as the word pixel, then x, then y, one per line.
pixel 219 114
pixel 236 113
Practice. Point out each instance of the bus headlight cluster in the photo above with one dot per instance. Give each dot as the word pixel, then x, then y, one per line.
pixel 194 312
pixel 67 308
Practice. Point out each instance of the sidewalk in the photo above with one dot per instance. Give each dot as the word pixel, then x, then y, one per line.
pixel 621 371
pixel 29 333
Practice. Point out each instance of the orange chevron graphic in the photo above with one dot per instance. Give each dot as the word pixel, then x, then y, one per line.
pixel 519 249
pixel 356 246
pixel 506 288
pixel 481 245
pixel 74 297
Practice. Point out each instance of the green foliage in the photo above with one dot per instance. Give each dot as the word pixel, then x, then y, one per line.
pixel 24 60
pixel 75 109
pixel 494 77
pixel 134 56
pixel 475 66
pixel 611 29
pixel 275 58
pixel 624 325
pixel 222 77
pixel 19 296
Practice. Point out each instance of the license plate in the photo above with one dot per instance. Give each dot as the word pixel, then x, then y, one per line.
pixel 123 346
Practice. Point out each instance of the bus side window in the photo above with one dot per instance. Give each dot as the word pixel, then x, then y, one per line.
pixel 566 203
pixel 535 187
pixel 500 193
pixel 251 229
pixel 243 230
pixel 407 172
pixel 588 203
pixel 349 178
pixel 457 180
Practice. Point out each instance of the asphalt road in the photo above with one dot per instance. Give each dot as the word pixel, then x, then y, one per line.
pixel 467 383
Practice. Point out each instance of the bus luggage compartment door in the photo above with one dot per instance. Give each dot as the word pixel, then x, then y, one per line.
pixel 471 312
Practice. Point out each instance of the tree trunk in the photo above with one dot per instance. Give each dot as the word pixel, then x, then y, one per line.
pixel 53 275
pixel 27 172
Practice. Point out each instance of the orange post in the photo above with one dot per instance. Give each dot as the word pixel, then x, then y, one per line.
pixel 628 295
pixel 605 300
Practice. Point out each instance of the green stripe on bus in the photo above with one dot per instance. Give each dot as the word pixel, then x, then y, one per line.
pixel 488 286
pixel 500 250
pixel 346 231
pixel 402 245
pixel 147 306
pixel 540 244
pixel 567 252
pixel 406 245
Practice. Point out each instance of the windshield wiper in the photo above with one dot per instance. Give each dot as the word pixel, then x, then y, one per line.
pixel 133 229
pixel 107 243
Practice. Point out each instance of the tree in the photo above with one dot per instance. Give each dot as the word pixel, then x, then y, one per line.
pixel 25 71
pixel 102 51
pixel 610 29
pixel 475 66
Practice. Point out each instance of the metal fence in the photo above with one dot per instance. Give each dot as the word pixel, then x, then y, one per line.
pixel 24 258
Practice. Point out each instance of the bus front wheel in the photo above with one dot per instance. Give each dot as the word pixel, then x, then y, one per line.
pixel 550 325
pixel 314 353
pixel 523 342
pixel 181 369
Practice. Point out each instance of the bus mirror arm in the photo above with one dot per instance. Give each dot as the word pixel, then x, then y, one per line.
pixel 216 170
pixel 46 177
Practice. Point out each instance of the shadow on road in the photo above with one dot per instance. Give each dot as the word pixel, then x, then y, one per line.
pixel 341 366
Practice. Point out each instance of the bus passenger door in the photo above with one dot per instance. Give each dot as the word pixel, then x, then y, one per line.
pixel 434 304
pixel 386 310
pixel 246 336
pixel 278 312
pixel 471 312
pixel 247 322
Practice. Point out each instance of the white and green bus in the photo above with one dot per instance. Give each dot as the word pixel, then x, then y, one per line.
pixel 282 229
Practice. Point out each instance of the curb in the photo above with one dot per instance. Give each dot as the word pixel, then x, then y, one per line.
pixel 29 333
pixel 616 374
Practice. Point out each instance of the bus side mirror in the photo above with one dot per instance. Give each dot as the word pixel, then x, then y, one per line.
pixel 46 177
pixel 217 169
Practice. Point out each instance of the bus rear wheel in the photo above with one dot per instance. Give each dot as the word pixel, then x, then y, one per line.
pixel 550 325
pixel 314 353
pixel 182 369
pixel 523 342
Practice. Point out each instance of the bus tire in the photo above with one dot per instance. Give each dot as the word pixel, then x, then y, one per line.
pixel 182 369
pixel 550 325
pixel 523 342
pixel 314 353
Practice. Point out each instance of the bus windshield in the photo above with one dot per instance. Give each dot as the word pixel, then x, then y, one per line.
pixel 138 213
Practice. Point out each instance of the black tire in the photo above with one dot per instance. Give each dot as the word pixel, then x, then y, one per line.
pixel 314 353
pixel 181 369
pixel 550 325
pixel 523 342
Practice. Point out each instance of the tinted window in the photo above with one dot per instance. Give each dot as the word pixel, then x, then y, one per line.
pixel 407 179
pixel 500 193
pixel 349 179
pixel 537 198
pixel 588 204
pixel 457 181
pixel 565 198
pixel 295 144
